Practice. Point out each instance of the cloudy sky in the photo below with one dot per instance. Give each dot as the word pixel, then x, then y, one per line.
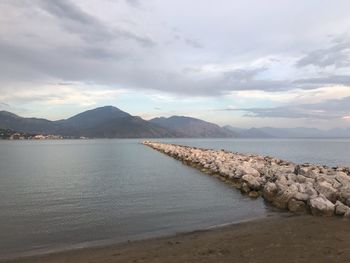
pixel 243 62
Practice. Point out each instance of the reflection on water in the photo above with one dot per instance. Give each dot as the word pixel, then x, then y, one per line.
pixel 56 194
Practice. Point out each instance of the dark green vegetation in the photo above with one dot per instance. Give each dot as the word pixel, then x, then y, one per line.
pixel 5 133
pixel 9 134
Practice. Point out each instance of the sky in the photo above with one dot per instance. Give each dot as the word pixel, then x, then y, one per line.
pixel 245 63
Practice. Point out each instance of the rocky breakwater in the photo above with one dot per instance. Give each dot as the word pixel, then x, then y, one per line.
pixel 320 190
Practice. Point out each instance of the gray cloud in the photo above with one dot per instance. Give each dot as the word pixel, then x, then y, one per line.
pixel 327 110
pixel 75 20
pixel 76 45
pixel 193 43
pixel 337 55
pixel 311 83
pixel 248 79
pixel 133 2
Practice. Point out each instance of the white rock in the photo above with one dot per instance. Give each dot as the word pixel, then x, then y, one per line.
pixel 321 206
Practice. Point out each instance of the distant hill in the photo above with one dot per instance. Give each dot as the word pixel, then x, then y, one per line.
pixel 193 128
pixel 299 132
pixel 103 122
pixel 14 122
pixel 92 118
pixel 111 122
pixel 249 133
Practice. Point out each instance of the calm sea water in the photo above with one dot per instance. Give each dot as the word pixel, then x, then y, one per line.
pixel 62 194
pixel 331 152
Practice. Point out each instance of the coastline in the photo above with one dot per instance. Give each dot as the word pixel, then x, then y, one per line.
pixel 303 238
pixel 115 242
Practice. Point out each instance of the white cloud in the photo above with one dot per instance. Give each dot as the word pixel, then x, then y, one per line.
pixel 60 94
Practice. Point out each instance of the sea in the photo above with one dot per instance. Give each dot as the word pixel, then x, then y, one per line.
pixel 66 194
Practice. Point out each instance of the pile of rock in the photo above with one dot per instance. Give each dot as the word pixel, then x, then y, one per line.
pixel 320 190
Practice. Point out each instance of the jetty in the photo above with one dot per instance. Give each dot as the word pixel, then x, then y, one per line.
pixel 299 188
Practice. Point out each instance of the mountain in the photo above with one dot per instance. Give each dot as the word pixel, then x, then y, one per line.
pixel 341 133
pixel 299 132
pixel 249 133
pixel 12 121
pixel 111 122
pixel 103 122
pixel 92 118
pixel 192 128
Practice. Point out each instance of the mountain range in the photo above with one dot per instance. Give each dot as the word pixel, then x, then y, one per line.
pixel 298 132
pixel 111 122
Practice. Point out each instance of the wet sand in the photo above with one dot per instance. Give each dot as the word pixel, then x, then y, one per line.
pixel 288 239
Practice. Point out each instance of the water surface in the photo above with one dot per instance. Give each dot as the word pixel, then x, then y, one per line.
pixel 63 194
pixel 331 152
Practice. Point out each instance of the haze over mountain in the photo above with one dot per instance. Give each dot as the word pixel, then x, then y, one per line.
pixel 299 132
pixel 103 122
pixel 248 133
pixel 111 122
pixel 191 127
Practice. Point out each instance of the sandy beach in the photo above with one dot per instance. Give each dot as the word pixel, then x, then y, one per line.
pixel 287 239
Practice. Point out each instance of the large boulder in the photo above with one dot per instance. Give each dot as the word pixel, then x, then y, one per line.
pixel 343 179
pixel 341 209
pixel 224 171
pixel 326 189
pixel 321 206
pixel 269 191
pixel 246 169
pixel 306 171
pixel 296 206
pixel 252 181
pixel 284 195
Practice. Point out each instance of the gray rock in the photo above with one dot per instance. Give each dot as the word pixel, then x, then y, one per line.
pixel 327 190
pixel 245 169
pixel 301 196
pixel 252 181
pixel 283 196
pixel 269 191
pixel 288 186
pixel 253 194
pixel 296 206
pixel 341 209
pixel 343 179
pixel 321 206
pixel 245 188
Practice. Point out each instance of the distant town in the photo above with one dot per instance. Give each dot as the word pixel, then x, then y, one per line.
pixel 8 134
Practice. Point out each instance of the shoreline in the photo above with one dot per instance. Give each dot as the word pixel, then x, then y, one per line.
pixel 295 238
pixel 113 242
